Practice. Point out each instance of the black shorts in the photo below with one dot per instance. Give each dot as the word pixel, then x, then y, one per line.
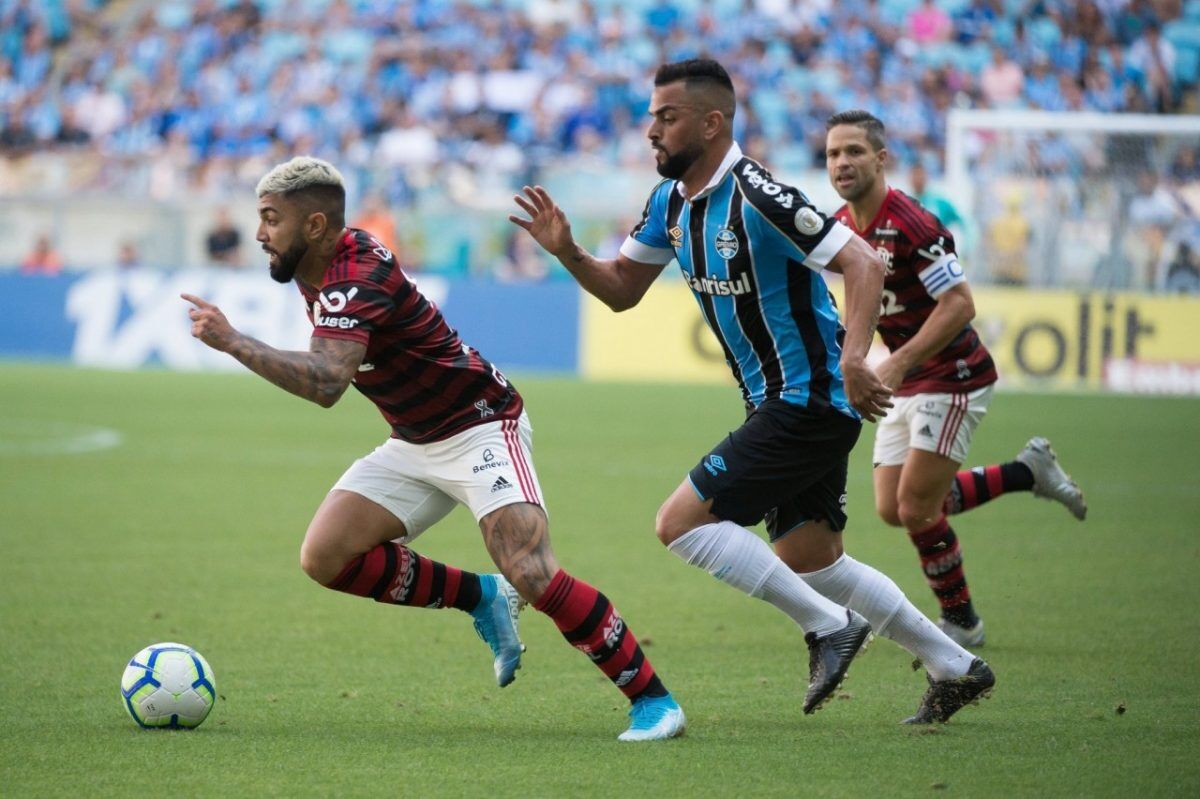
pixel 785 464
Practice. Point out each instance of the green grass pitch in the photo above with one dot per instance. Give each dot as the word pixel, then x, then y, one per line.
pixel 188 530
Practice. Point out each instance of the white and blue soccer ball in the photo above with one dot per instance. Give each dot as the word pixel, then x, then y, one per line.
pixel 168 685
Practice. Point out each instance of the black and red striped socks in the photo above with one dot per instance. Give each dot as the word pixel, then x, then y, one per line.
pixel 941 560
pixel 394 574
pixel 973 487
pixel 592 625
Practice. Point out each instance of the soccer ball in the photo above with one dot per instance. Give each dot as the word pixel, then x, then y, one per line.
pixel 168 685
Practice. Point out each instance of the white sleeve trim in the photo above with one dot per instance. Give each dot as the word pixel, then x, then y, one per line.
pixel 830 246
pixel 635 250
pixel 942 275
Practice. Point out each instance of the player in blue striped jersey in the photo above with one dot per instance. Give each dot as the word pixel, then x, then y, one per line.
pixel 752 250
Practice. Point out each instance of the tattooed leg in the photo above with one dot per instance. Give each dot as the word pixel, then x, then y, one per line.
pixel 518 539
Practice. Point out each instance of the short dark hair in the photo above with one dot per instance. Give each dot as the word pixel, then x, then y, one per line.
pixel 701 74
pixel 329 200
pixel 871 124
pixel 694 71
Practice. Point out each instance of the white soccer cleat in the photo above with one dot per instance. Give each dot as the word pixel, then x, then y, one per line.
pixel 966 637
pixel 1049 479
pixel 654 718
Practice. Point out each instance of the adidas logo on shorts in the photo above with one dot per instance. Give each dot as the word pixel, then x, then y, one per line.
pixel 500 485
pixel 925 431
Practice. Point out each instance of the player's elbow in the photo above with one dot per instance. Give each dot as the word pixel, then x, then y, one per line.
pixel 873 266
pixel 964 306
pixel 859 260
pixel 328 394
pixel 622 303
pixel 968 310
pixel 622 297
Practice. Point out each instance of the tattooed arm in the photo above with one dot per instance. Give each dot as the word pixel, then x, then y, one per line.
pixel 320 375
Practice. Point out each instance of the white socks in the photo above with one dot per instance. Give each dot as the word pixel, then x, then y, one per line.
pixel 738 557
pixel 874 595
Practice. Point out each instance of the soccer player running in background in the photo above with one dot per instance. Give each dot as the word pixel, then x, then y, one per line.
pixel 752 250
pixel 942 375
pixel 460 435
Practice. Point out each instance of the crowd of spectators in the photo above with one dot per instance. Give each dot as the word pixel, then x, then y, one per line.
pixel 196 98
pixel 185 92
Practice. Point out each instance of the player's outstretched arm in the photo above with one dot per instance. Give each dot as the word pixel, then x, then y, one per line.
pixel 862 273
pixel 619 283
pixel 320 375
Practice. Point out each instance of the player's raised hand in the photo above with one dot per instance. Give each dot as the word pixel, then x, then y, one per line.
pixel 547 223
pixel 209 324
pixel 865 392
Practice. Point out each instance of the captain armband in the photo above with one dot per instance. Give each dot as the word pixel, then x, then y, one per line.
pixel 942 275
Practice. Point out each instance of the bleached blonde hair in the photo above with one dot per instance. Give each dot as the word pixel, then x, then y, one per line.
pixel 302 172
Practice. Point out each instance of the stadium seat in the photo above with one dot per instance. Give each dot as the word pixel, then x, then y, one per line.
pixel 1004 32
pixel 896 10
pixel 1187 65
pixel 1044 33
pixel 953 7
pixel 972 58
pixel 1182 33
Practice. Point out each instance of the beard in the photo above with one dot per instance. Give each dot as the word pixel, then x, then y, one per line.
pixel 284 268
pixel 855 191
pixel 678 163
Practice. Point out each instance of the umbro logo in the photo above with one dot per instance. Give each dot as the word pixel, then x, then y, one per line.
pixel 925 431
pixel 500 484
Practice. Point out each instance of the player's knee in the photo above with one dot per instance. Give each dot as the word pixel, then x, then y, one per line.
pixel 889 512
pixel 530 576
pixel 317 564
pixel 804 561
pixel 915 515
pixel 668 525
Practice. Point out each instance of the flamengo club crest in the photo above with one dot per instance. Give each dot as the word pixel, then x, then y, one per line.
pixel 726 243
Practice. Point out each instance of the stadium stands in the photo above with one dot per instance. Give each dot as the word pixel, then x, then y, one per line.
pixel 469 98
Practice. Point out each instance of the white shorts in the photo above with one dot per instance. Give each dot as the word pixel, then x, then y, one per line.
pixel 485 467
pixel 941 423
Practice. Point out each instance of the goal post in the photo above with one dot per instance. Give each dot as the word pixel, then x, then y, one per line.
pixel 1076 200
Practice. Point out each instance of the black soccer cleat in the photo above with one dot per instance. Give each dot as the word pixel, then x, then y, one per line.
pixel 829 658
pixel 946 697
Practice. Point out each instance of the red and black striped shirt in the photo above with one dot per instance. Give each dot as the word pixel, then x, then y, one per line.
pixel 425 381
pixel 910 240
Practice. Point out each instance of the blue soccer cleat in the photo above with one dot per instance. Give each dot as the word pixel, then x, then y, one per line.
pixel 496 622
pixel 654 718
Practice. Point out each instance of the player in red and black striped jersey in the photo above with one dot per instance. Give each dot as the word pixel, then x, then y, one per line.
pixel 425 381
pixel 459 435
pixel 922 270
pixel 941 373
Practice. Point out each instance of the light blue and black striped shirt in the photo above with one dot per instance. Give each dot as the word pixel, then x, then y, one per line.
pixel 752 250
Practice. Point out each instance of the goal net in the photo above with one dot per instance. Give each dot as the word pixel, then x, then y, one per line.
pixel 1078 200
